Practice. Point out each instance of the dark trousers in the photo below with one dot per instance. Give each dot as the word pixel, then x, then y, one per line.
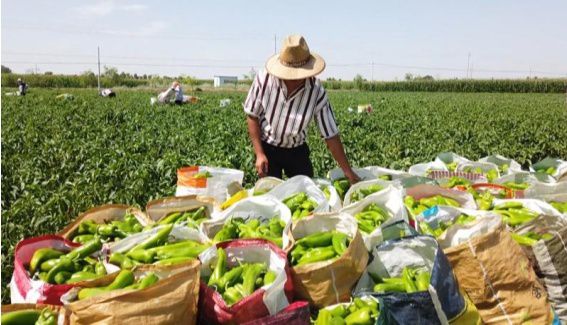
pixel 292 161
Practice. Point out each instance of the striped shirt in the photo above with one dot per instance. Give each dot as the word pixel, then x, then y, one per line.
pixel 284 119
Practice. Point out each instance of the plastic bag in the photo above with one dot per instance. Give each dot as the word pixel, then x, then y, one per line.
pixel 207 181
pixel 335 203
pixel 268 300
pixel 363 185
pixel 298 184
pixel 500 161
pixel 441 303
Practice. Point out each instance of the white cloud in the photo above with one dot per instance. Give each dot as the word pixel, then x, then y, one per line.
pixel 106 7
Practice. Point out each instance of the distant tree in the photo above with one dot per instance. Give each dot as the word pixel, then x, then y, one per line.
pixel 408 76
pixel 48 73
pixel 5 69
pixel 427 77
pixel 359 81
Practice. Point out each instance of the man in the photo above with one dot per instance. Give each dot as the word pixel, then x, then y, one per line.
pixel 173 94
pixel 22 88
pixel 281 103
pixel 107 93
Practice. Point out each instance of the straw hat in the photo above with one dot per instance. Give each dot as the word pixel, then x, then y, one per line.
pixel 294 61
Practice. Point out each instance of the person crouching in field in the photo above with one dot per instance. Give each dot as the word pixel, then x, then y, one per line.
pixel 281 103
pixel 22 88
pixel 174 95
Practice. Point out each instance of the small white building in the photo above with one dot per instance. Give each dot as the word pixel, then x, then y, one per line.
pixel 222 80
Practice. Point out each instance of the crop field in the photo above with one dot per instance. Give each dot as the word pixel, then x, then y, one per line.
pixel 61 157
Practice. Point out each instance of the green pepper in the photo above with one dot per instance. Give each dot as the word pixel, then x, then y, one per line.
pixel 340 243
pixel 509 205
pixel 100 269
pixel 230 278
pixel 318 239
pixel 269 277
pixel 141 255
pixel 147 281
pixel 81 239
pixel 390 285
pixel 49 264
pixel 359 317
pixel 296 253
pixel 46 317
pixel 20 317
pixel 249 275
pixel 65 264
pixel 422 280
pixel 87 227
pixel 324 317
pixel 220 267
pixel 232 296
pixel 82 276
pixel 523 240
pixel 293 202
pixel 169 219
pixel 41 255
pixel 179 251
pixel 62 277
pixel 121 260
pixel 122 280
pixel 85 250
pixel 339 311
pixel 228 232
pixel 159 238
pixel 317 255
pixel 409 283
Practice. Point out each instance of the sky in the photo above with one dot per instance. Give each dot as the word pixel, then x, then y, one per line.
pixel 380 40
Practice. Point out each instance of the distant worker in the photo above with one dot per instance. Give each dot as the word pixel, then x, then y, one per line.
pixel 281 103
pixel 173 94
pixel 22 88
pixel 107 93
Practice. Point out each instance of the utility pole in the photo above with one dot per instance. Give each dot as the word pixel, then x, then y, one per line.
pixel 468 65
pixel 275 44
pixel 372 74
pixel 98 79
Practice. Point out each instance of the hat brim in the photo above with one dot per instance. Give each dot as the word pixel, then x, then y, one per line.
pixel 313 67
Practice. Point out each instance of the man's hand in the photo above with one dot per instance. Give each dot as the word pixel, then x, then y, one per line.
pixel 262 165
pixel 352 177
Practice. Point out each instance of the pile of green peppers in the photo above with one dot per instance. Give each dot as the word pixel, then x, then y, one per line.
pixel 341 185
pixel 157 249
pixel 371 217
pixel 549 171
pixel 530 238
pixel 361 193
pixel 418 206
pixel 124 280
pixel 412 280
pixel 57 267
pixel 239 281
pixel 234 228
pixel 491 175
pixel 113 230
pixel 30 317
pixel 317 247
pixel 514 213
pixel 300 205
pixel 193 218
pixel 560 206
pixel 361 311
pixel 462 219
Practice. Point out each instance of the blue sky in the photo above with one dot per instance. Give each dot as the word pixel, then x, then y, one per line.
pixel 203 38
